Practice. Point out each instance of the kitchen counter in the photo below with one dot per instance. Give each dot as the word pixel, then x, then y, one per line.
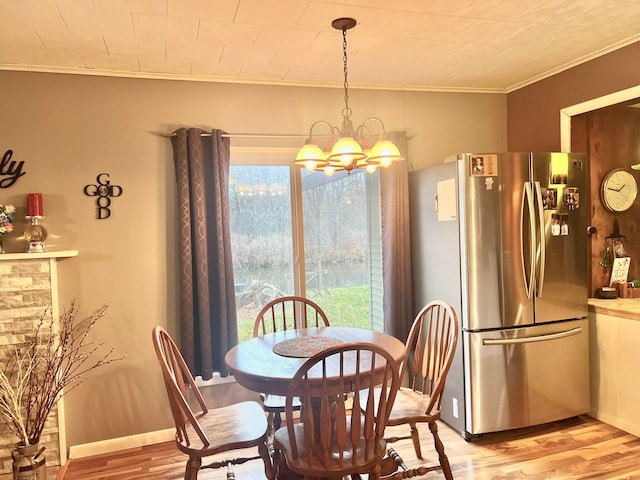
pixel 617 307
pixel 614 332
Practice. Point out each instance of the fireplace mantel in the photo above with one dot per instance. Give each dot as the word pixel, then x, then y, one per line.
pixel 32 256
pixel 29 286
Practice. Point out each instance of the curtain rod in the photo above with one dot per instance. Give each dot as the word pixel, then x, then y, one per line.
pixel 242 135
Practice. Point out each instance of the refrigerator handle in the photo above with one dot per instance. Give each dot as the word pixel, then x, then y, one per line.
pixel 527 196
pixel 542 242
pixel 535 338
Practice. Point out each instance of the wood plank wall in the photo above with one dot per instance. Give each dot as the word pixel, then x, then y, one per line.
pixel 611 138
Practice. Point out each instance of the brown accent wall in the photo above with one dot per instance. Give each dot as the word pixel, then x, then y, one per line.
pixel 533 112
pixel 610 137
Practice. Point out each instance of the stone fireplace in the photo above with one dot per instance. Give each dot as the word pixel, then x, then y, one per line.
pixel 28 286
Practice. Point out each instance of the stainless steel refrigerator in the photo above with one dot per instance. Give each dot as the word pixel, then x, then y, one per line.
pixel 502 237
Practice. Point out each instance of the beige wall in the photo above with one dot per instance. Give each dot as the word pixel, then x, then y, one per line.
pixel 68 129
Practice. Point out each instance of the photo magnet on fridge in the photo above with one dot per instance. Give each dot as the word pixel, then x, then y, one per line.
pixel 483 165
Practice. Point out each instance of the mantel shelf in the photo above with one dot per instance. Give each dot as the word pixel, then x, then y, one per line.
pixel 32 256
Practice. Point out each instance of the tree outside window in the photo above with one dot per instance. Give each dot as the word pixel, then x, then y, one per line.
pixel 338 240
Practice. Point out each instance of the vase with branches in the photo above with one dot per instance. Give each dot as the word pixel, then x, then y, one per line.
pixel 51 362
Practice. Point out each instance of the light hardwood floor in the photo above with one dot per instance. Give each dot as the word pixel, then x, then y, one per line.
pixel 578 448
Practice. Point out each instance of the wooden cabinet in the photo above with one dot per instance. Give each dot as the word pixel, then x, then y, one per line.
pixel 615 373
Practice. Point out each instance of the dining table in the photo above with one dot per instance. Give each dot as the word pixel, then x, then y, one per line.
pixel 267 363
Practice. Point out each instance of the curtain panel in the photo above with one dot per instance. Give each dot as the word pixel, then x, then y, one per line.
pixel 396 243
pixel 208 320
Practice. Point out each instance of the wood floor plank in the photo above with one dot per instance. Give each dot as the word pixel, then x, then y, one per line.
pixel 580 448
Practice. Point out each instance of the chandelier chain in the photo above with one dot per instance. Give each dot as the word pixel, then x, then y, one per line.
pixel 346 72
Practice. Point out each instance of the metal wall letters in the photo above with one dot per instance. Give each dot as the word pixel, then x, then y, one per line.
pixel 10 169
pixel 105 192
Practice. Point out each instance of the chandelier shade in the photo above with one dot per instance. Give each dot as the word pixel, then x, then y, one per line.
pixel 311 157
pixel 346 151
pixel 348 148
pixel 385 152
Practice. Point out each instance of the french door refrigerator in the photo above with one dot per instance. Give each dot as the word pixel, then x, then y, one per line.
pixel 502 238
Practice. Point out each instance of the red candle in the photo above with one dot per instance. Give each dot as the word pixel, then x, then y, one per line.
pixel 34 205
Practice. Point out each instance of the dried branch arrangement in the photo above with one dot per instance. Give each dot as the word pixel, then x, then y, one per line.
pixel 53 361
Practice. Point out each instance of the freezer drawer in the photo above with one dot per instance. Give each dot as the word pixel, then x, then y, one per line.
pixel 520 377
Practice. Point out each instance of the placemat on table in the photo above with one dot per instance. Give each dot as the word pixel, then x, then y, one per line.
pixel 304 347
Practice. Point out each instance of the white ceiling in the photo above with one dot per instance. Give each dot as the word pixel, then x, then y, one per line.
pixel 452 45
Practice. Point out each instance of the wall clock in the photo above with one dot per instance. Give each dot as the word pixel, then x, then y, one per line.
pixel 619 190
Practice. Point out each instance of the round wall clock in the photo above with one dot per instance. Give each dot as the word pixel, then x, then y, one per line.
pixel 619 190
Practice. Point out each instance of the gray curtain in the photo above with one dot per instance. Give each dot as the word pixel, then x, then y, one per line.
pixel 396 243
pixel 208 322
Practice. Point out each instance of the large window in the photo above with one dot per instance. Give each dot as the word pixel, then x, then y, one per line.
pixel 303 233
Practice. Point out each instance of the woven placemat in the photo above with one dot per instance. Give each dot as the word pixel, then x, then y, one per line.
pixel 305 347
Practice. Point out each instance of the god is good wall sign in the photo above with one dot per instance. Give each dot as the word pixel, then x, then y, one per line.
pixel 104 191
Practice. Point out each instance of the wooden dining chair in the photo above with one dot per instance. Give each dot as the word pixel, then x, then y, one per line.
pixel 330 441
pixel 430 347
pixel 209 431
pixel 285 313
pixel 289 313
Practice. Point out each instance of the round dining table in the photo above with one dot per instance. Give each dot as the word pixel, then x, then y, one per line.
pixel 268 363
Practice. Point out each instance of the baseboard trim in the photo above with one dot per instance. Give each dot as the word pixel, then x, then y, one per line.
pixel 121 443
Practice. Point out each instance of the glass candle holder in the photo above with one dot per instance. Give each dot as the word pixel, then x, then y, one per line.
pixel 35 234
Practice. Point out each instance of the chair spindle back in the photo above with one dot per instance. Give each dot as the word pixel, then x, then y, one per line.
pixel 178 380
pixel 335 437
pixel 289 313
pixel 430 348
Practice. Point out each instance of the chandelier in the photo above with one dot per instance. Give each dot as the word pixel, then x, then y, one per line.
pixel 347 148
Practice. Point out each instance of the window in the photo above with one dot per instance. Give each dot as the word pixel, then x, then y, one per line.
pixel 303 233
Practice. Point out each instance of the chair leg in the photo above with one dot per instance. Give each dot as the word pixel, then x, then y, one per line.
pixel 271 430
pixel 230 473
pixel 265 454
pixel 277 421
pixel 282 469
pixel 444 461
pixel 193 466
pixel 415 436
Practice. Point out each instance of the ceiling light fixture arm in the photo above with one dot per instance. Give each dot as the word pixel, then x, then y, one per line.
pixel 311 156
pixel 331 135
pixel 364 133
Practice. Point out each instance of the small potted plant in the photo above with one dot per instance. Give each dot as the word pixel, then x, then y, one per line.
pixel 51 362
pixel 6 222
